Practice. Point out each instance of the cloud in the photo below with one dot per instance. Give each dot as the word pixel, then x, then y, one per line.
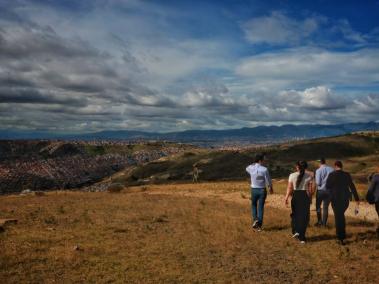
pixel 59 76
pixel 278 28
pixel 34 96
pixel 301 67
pixel 150 68
pixel 39 64
pixel 367 105
pixel 316 98
pixel 210 94
pixel 344 27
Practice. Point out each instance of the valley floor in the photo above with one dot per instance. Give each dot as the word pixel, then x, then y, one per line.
pixel 175 233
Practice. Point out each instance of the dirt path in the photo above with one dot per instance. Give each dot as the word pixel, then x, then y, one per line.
pixel 366 212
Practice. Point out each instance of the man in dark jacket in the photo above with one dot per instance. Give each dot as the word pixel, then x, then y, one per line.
pixel 341 188
pixel 374 190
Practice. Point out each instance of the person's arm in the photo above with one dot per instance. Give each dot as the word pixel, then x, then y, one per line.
pixel 311 187
pixel 318 178
pixel 329 183
pixel 372 184
pixel 289 191
pixel 353 189
pixel 312 184
pixel 248 169
pixel 248 178
pixel 269 182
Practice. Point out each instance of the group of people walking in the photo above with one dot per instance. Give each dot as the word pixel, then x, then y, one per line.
pixel 332 186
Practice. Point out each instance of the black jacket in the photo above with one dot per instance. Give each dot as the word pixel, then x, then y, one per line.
pixel 341 186
pixel 374 187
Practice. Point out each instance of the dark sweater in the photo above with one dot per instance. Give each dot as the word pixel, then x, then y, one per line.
pixel 374 187
pixel 341 186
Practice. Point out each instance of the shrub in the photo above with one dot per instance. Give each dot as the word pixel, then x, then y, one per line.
pixel 115 187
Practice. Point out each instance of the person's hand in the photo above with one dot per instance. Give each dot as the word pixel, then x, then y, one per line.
pixel 271 190
pixel 286 201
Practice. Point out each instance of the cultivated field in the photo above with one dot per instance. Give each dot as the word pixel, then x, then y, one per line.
pixel 174 233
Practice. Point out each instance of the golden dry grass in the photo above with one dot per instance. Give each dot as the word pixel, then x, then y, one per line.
pixel 139 237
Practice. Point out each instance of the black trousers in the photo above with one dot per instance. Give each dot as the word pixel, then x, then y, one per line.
pixel 377 211
pixel 322 197
pixel 300 205
pixel 339 208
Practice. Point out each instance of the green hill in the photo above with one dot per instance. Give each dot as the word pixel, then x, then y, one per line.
pixel 358 151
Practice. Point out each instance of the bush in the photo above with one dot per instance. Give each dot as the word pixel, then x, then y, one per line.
pixel 115 187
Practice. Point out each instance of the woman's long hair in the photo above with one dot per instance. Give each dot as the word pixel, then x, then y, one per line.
pixel 302 166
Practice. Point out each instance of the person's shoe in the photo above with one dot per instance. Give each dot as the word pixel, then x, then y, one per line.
pixel 302 242
pixel 259 229
pixel 296 235
pixel 255 224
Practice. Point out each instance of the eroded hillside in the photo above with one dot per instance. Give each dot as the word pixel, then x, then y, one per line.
pixel 43 165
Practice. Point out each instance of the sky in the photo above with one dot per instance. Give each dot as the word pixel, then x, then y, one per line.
pixel 83 66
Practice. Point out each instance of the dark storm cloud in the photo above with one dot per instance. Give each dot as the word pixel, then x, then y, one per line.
pixel 84 84
pixel 8 80
pixel 33 96
pixel 65 79
pixel 23 41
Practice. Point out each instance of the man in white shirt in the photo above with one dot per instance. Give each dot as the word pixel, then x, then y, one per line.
pixel 260 179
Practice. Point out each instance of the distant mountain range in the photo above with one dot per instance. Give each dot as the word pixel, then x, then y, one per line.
pixel 260 134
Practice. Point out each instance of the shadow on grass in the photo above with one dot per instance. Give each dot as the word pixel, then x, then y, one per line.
pixel 320 238
pixel 368 235
pixel 278 228
pixel 360 223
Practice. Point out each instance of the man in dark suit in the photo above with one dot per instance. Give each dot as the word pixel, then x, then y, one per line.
pixel 341 188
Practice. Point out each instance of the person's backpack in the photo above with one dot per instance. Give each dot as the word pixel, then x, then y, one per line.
pixel 370 197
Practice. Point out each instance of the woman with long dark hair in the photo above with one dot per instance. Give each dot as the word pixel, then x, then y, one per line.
pixel 300 188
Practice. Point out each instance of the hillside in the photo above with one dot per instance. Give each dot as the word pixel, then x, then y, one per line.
pixel 163 231
pixel 358 151
pixel 46 165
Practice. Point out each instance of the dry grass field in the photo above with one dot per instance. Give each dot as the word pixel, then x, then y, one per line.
pixel 171 234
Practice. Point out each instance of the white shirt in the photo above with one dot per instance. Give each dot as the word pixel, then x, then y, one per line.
pixel 307 178
pixel 322 174
pixel 259 175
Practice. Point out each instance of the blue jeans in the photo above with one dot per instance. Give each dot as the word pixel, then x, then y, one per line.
pixel 258 198
pixel 322 196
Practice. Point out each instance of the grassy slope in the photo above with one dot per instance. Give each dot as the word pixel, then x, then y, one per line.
pixel 143 238
pixel 359 152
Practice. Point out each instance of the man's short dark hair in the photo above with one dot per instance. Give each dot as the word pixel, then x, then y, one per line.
pixel 338 164
pixel 322 161
pixel 259 158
